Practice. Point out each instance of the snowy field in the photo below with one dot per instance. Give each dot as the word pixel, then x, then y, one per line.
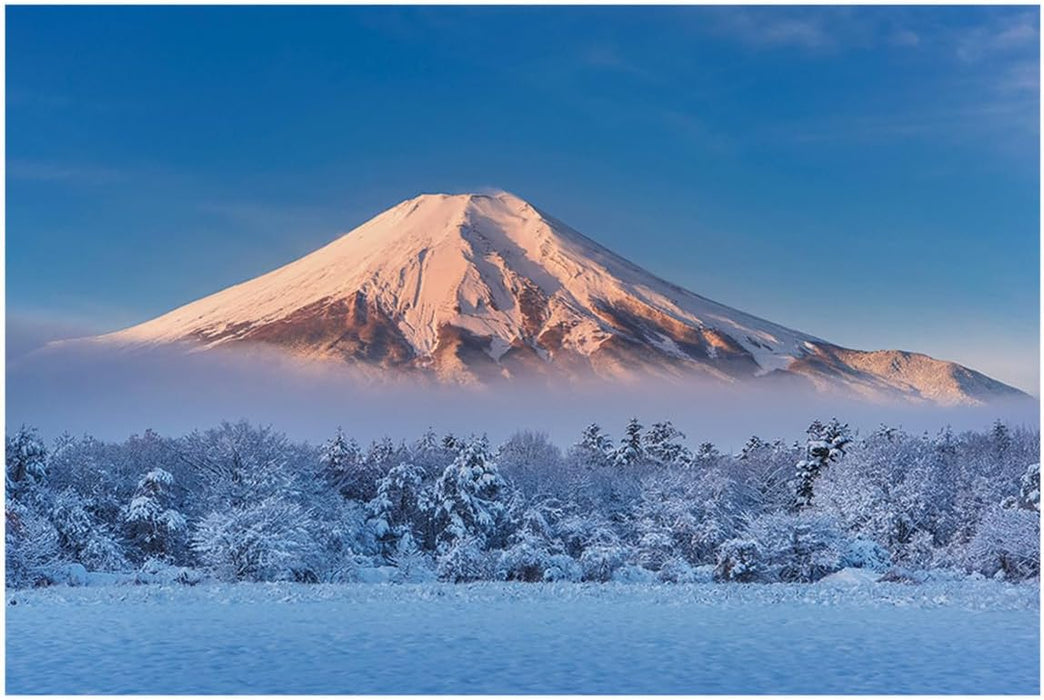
pixel 938 637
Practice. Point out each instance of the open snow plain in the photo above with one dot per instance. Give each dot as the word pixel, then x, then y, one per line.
pixel 938 637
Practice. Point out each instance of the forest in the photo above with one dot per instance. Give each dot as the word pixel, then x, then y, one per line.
pixel 241 502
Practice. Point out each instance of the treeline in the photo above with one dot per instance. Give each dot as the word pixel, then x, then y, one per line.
pixel 244 503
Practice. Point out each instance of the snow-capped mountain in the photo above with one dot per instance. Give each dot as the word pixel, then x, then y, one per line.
pixel 477 288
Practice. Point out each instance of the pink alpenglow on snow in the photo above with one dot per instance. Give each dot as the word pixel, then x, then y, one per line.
pixel 481 288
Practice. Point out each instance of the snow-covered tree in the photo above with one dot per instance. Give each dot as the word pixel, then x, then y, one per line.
pixel 751 447
pixel 342 466
pixel 826 444
pixel 26 458
pixel 381 456
pixel 1006 543
pixel 152 526
pixel 31 545
pixel 600 560
pixel 400 508
pixel 676 570
pixel 665 520
pixel 595 447
pixel 738 560
pixel 452 443
pixel 632 448
pixel 261 510
pixel 82 537
pixel 796 548
pixel 1000 435
pixel 532 548
pixel 238 464
pixel 706 452
pixel 411 564
pixel 662 445
pixel 529 460
pixel 464 560
pixel 1029 488
pixel 264 541
pixel 428 452
pixel 469 497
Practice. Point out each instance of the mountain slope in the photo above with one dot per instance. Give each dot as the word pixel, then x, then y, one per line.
pixel 479 288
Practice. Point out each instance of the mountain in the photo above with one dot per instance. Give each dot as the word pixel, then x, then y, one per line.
pixel 476 289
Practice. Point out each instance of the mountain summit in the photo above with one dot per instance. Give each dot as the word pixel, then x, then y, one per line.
pixel 479 288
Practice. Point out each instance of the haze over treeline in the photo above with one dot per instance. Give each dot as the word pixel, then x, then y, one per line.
pixel 113 396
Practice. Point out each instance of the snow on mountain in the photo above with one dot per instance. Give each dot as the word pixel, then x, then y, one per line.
pixel 478 288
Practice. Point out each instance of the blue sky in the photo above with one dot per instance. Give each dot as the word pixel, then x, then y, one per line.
pixel 868 175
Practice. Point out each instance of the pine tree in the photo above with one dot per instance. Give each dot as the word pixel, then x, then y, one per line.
pixel 468 496
pixel 826 444
pixel 398 509
pixel 1000 435
pixel 151 525
pixel 706 452
pixel 751 448
pixel 662 443
pixel 595 446
pixel 631 450
pixel 26 459
pixel 382 455
pixel 340 463
pixel 82 537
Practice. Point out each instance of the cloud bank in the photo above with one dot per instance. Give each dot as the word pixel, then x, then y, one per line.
pixel 84 388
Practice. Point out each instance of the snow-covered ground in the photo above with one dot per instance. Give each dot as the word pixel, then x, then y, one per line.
pixel 845 636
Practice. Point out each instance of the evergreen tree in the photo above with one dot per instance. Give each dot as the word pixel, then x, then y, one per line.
pixel 595 446
pixel 82 537
pixel 662 444
pixel 151 525
pixel 382 455
pixel 341 465
pixel 751 448
pixel 26 459
pixel 399 508
pixel 469 497
pixel 707 452
pixel 826 444
pixel 631 450
pixel 1000 435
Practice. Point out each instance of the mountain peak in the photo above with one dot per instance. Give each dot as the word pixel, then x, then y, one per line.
pixel 480 286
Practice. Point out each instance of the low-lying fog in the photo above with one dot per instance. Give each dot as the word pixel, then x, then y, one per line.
pixel 112 395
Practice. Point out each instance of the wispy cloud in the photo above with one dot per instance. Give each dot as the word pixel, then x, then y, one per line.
pixel 814 29
pixel 1002 34
pixel 51 171
pixel 830 29
pixel 904 37
pixel 1021 77
pixel 941 122
pixel 775 28
pixel 609 58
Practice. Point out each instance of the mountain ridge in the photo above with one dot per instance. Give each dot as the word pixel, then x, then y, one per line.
pixel 479 288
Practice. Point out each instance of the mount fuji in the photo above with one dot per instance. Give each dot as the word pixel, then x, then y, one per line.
pixel 481 289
